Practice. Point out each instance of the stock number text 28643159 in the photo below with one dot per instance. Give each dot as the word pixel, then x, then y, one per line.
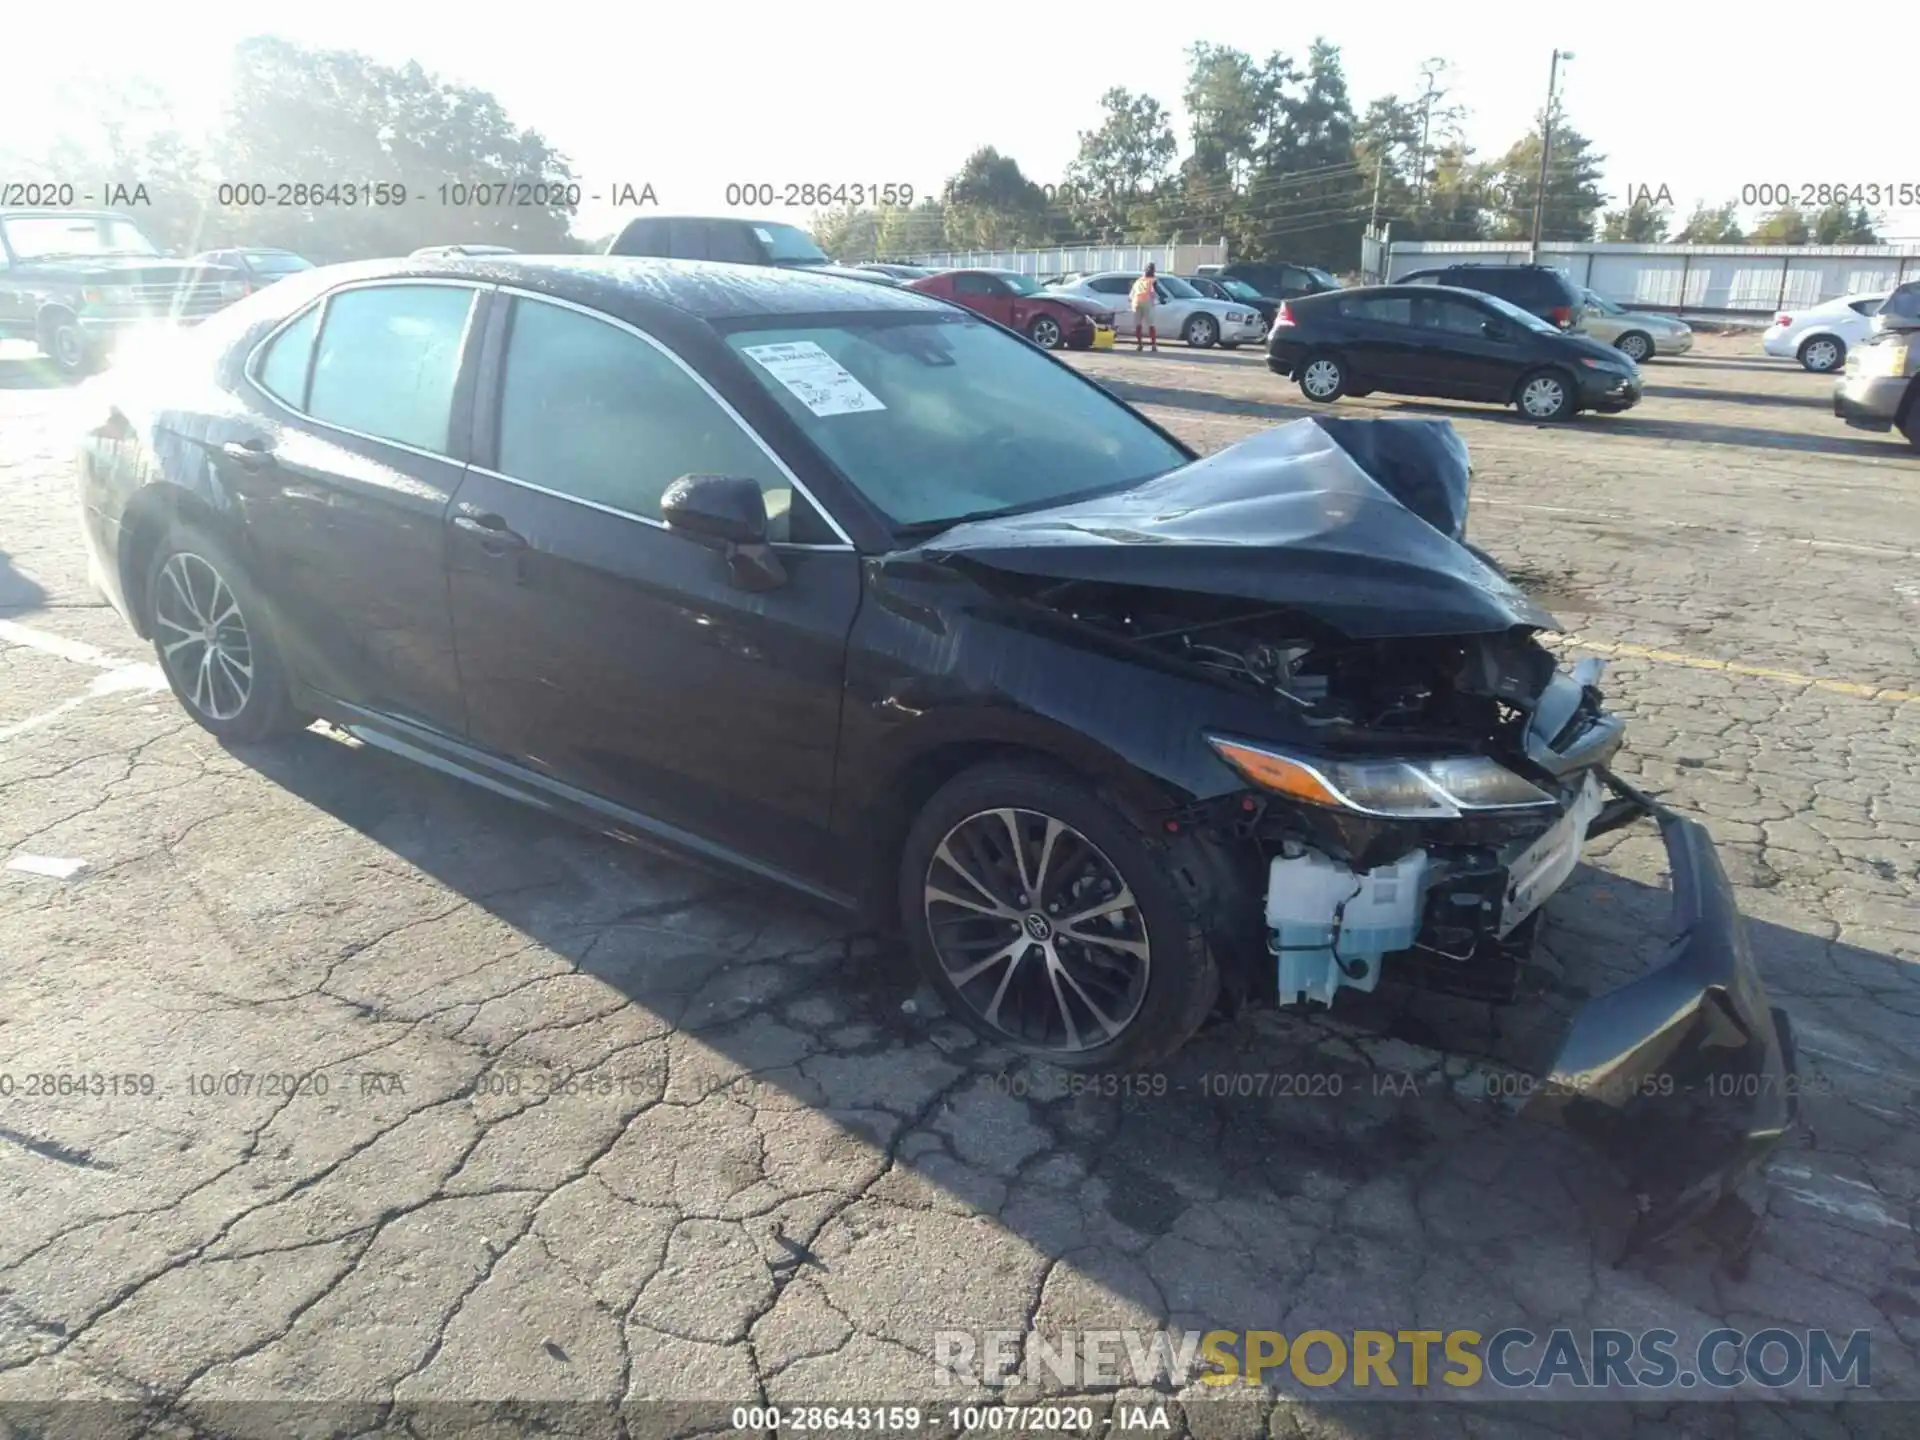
pixel 769 193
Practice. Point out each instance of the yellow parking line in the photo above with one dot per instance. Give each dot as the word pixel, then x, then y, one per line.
pixel 1731 667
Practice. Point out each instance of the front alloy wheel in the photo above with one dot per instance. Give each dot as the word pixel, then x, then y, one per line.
pixel 203 637
pixel 1045 332
pixel 1202 332
pixel 210 636
pixel 1036 930
pixel 1051 922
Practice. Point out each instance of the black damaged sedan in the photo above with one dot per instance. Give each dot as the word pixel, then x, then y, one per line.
pixel 843 587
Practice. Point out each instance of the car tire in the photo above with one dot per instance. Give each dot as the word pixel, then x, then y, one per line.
pixel 1229 344
pixel 1202 332
pixel 1008 961
pixel 1045 331
pixel 1545 396
pixel 236 685
pixel 73 354
pixel 1823 354
pixel 1636 345
pixel 1323 377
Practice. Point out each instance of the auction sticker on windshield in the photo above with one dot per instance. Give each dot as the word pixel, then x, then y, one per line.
pixel 817 380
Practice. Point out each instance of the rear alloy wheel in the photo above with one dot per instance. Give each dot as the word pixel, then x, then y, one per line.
pixel 1823 354
pixel 1323 378
pixel 1045 921
pixel 210 635
pixel 1045 332
pixel 1202 332
pixel 1544 395
pixel 1635 346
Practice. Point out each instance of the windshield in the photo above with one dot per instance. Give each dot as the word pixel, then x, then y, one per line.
pixel 790 245
pixel 1178 288
pixel 40 237
pixel 1321 277
pixel 936 418
pixel 1022 284
pixel 1239 289
pixel 1605 307
pixel 1519 316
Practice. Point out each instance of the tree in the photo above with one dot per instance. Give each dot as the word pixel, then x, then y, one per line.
pixel 1785 226
pixel 1459 197
pixel 1839 224
pixel 330 117
pixel 991 205
pixel 133 141
pixel 1308 199
pixel 1711 225
pixel 1573 195
pixel 1121 165
pixel 1640 223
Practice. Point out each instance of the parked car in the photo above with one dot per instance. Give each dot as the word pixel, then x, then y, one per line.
pixel 1819 337
pixel 1637 334
pixel 818 581
pixel 1538 289
pixel 897 271
pixel 78 282
pixel 448 252
pixel 1274 279
pixel 734 241
pixel 1450 343
pixel 1235 292
pixel 1183 313
pixel 261 267
pixel 1050 319
pixel 1880 389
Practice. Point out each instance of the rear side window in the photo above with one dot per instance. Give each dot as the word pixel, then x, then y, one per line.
pixel 1380 309
pixel 592 411
pixel 1112 285
pixel 282 371
pixel 1866 307
pixel 387 361
pixel 732 244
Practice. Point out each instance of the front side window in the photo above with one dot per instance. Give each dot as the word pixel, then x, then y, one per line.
pixel 592 411
pixel 289 356
pixel 975 285
pixel 938 417
pixel 1456 317
pixel 387 361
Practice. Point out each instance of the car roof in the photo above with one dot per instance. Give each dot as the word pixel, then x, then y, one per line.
pixel 632 285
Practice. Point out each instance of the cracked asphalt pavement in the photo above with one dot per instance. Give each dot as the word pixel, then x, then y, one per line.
pixel 414 1096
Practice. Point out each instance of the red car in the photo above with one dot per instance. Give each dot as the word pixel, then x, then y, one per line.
pixel 1021 303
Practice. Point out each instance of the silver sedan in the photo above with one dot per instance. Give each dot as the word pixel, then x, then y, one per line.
pixel 1637 334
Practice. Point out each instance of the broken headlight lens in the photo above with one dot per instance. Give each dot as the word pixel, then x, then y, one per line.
pixel 1408 789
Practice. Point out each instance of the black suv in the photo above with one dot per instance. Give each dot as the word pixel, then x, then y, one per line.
pixel 1273 280
pixel 75 281
pixel 1538 289
pixel 734 242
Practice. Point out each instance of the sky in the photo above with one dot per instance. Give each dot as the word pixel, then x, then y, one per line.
pixel 1703 99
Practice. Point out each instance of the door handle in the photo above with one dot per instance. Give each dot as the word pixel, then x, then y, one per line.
pixel 492 532
pixel 253 455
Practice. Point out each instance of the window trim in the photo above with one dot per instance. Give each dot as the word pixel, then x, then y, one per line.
pixel 845 543
pixel 255 356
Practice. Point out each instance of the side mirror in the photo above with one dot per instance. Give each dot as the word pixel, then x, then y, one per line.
pixel 728 514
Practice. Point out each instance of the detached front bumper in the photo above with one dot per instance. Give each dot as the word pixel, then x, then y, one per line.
pixel 1686 1079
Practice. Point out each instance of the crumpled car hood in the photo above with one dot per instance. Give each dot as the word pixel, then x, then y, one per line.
pixel 1356 523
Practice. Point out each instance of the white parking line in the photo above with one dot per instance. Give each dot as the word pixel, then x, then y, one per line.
pixel 122 675
pixel 77 651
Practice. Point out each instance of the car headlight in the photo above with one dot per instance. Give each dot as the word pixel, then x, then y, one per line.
pixel 1883 360
pixel 107 294
pixel 1404 789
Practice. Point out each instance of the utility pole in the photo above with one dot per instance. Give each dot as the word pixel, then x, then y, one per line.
pixel 1373 220
pixel 1546 148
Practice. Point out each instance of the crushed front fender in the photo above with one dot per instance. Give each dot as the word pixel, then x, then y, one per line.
pixel 1686 1079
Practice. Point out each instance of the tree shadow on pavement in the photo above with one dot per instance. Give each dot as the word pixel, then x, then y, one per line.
pixel 1281 1173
